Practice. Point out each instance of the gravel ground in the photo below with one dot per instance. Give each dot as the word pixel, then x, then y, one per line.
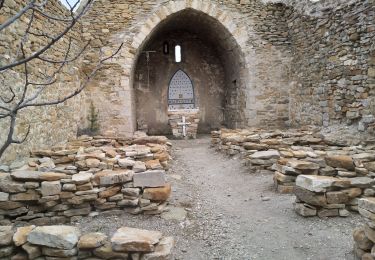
pixel 234 214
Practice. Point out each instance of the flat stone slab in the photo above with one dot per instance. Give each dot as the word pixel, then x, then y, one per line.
pixel 26 175
pixel 113 177
pixel 150 179
pixel 302 165
pixel 92 240
pixel 62 237
pixel 265 155
pixel 340 161
pixel 316 183
pixel 82 177
pixel 367 204
pixel 6 235
pixel 362 182
pixel 135 240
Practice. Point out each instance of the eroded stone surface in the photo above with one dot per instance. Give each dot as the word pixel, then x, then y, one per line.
pixel 135 240
pixel 62 237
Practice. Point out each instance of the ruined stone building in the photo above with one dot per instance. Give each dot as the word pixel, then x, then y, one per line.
pixel 234 63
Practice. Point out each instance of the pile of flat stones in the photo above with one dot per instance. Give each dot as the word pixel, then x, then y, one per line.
pixel 67 242
pixel 293 153
pixel 85 177
pixel 364 237
pixel 326 196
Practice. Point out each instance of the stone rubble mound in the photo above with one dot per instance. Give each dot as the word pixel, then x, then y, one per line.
pixel 67 242
pixel 89 174
pixel 364 237
pixel 327 175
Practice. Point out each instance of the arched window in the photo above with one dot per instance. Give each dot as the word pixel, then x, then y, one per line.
pixel 177 53
pixel 181 92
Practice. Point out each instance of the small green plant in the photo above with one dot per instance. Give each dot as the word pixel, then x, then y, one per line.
pixel 93 119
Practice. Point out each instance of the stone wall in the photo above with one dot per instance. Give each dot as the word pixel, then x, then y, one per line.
pixel 63 119
pixel 67 182
pixel 333 63
pixel 253 46
pixel 68 242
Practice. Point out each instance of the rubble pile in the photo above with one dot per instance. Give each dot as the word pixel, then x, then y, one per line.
pixel 87 176
pixel 67 242
pixel 364 237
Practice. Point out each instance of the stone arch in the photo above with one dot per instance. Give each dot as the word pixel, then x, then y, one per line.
pixel 236 38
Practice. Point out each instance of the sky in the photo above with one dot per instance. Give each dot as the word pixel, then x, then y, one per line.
pixel 71 2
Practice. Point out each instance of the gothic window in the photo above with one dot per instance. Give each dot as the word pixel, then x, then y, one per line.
pixel 177 53
pixel 181 92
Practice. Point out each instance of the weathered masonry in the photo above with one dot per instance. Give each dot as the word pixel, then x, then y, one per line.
pixel 271 64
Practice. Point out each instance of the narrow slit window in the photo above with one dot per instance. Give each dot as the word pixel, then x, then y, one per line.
pixel 177 53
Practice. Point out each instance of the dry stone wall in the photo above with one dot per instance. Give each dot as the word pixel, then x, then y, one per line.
pixel 327 176
pixel 68 242
pixel 87 176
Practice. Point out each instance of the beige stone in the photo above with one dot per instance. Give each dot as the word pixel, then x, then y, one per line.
pixel 91 240
pixel 20 236
pixel 135 240
pixel 340 161
pixel 157 194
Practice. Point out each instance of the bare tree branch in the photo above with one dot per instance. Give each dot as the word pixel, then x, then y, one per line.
pixel 54 39
pixel 7 101
pixel 36 82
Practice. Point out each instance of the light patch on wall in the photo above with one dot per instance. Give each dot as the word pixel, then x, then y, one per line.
pixel 177 53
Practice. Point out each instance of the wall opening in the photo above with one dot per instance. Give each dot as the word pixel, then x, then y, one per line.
pixel 201 48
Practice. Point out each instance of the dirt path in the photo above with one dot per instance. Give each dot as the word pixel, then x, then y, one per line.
pixel 234 214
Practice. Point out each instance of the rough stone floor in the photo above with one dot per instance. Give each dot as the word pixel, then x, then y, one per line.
pixel 234 214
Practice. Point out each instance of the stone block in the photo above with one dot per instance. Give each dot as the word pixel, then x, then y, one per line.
pixel 265 155
pixel 32 250
pixel 361 240
pixel 126 163
pixel 367 204
pixel 139 167
pixel 49 188
pixel 20 236
pixel 362 182
pixel 61 237
pixel 324 213
pixel 59 253
pixel 337 197
pixel 152 179
pixel 106 252
pixel 4 196
pixel 113 177
pixel 320 183
pixel 30 195
pixel 340 161
pixel 302 165
pixel 6 235
pixel 304 209
pixel 109 192
pixel 82 178
pixel 91 240
pixel 157 194
pixel 310 197
pixel 135 240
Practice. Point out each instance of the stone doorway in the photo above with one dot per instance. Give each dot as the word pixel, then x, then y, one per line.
pixel 210 63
